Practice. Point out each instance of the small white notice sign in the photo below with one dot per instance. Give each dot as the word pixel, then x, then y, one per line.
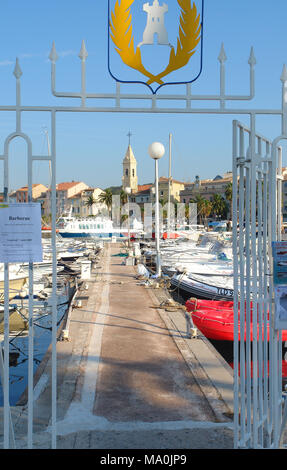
pixel 20 233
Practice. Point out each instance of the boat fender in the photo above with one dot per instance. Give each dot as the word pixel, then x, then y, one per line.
pixel 191 329
pixel 65 335
pixel 193 332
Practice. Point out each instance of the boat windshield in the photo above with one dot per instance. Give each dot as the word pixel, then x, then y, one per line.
pixel 62 222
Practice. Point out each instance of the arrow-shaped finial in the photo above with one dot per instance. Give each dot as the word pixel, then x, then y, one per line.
pixel 53 54
pixel 17 70
pixel 83 52
pixel 222 56
pixel 252 59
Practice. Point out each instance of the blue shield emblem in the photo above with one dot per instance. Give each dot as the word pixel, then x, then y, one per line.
pixel 155 42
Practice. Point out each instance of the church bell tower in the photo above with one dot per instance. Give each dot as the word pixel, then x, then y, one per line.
pixel 130 179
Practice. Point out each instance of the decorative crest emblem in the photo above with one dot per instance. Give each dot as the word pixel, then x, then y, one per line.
pixel 156 26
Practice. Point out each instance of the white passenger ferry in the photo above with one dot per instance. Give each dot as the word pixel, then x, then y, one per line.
pixel 97 227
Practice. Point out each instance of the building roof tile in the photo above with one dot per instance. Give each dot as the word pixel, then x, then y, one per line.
pixel 68 185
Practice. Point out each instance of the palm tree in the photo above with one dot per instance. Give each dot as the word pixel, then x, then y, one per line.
pixel 90 201
pixel 228 195
pixel 46 219
pixel 228 191
pixel 124 217
pixel 219 205
pixel 200 201
pixel 106 197
pixel 206 209
pixel 123 197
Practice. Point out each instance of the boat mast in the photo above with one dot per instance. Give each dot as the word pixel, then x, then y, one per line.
pixel 169 183
pixel 49 154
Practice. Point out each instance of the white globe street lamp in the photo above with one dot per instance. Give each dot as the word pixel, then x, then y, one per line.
pixel 156 151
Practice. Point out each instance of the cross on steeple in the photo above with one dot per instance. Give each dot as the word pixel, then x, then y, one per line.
pixel 129 136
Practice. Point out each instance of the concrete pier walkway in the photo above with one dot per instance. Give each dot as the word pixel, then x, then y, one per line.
pixel 129 378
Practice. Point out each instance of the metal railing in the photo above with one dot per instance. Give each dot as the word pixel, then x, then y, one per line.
pixel 254 400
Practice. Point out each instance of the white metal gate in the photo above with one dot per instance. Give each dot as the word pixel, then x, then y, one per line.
pixel 266 420
pixel 258 399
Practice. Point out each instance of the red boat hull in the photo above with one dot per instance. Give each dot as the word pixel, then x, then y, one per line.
pixel 284 369
pixel 170 236
pixel 215 320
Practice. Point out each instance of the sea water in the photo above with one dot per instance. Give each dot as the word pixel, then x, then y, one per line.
pixel 18 351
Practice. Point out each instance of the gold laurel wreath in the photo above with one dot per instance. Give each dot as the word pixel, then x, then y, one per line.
pixel 122 37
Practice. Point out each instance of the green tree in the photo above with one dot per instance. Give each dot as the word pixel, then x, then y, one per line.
pixel 228 196
pixel 90 201
pixel 219 206
pixel 206 209
pixel 106 197
pixel 123 197
pixel 46 220
pixel 228 191
pixel 124 217
pixel 200 202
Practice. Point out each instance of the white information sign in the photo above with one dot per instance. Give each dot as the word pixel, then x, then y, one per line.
pixel 281 307
pixel 279 251
pixel 20 233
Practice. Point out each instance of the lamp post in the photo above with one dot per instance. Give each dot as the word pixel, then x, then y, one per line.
pixel 156 151
pixel 128 192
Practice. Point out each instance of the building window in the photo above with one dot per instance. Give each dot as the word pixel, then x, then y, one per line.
pixel 127 172
pixel 133 172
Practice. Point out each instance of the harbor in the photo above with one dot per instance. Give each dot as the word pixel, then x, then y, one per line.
pixel 71 257
pixel 143 227
pixel 130 377
pixel 143 360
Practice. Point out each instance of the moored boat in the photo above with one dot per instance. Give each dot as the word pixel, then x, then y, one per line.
pixel 16 282
pixel 97 227
pixel 210 287
pixel 215 320
pixel 170 235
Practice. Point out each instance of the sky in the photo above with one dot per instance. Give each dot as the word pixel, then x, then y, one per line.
pixel 91 146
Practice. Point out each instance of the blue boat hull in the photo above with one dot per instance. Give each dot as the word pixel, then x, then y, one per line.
pixel 90 235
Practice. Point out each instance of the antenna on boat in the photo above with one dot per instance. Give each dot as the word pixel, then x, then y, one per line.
pixel 169 183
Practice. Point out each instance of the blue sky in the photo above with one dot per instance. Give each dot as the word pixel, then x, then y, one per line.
pixel 91 146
